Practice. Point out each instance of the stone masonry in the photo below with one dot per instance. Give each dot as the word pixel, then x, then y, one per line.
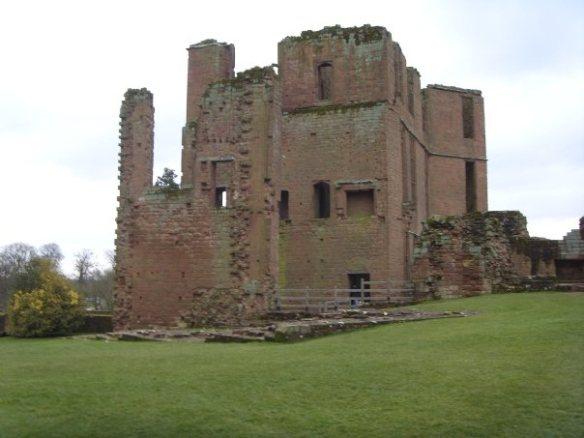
pixel 314 173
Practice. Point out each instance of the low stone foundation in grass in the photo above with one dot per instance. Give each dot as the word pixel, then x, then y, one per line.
pixel 282 331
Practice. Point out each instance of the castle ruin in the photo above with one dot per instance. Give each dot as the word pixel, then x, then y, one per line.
pixel 318 173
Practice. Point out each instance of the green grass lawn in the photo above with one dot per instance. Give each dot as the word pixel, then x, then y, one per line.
pixel 515 369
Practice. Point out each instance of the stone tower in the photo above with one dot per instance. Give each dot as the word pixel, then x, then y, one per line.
pixel 317 176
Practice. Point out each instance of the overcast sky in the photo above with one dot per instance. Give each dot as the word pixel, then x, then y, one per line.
pixel 66 64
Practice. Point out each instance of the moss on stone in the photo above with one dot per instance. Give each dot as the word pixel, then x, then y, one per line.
pixel 440 222
pixel 254 75
pixel 359 34
pixel 339 108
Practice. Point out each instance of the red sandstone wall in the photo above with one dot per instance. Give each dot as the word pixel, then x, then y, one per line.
pixel 240 127
pixel 209 61
pixel 135 165
pixel 180 258
pixel 444 122
pixel 481 253
pixel 361 70
pixel 444 132
pixel 349 149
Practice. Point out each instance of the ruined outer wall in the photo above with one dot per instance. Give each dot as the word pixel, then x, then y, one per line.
pixel 180 258
pixel 169 255
pixel 237 147
pixel 135 166
pixel 480 253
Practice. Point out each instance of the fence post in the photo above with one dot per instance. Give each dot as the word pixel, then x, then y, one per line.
pixel 306 300
pixel 336 299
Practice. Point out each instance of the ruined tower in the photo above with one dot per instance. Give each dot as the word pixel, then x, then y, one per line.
pixel 318 176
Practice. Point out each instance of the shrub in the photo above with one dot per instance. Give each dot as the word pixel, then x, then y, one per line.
pixel 46 306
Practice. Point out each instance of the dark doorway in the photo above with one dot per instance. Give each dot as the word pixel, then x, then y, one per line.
pixel 355 283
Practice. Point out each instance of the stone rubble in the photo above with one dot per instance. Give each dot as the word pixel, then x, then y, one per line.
pixel 281 331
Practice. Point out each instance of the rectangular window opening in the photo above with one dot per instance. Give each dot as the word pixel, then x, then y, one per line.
pixel 283 205
pixel 471 198
pixel 360 203
pixel 325 77
pixel 322 200
pixel 221 197
pixel 468 117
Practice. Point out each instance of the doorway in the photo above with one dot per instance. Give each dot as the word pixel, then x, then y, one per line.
pixel 355 284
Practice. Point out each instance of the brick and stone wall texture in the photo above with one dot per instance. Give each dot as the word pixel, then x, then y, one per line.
pixel 478 253
pixel 348 149
pixel 180 258
pixel 451 150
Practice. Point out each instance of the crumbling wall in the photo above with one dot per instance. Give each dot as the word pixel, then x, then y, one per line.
pixel 237 147
pixel 480 253
pixel 345 110
pixel 570 263
pixel 183 259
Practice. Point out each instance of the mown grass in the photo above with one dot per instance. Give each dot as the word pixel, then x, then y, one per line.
pixel 515 369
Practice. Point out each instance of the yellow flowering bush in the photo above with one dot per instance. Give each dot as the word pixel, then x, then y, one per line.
pixel 50 306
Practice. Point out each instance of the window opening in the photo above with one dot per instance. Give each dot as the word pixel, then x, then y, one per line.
pixel 221 197
pixel 325 73
pixel 322 200
pixel 471 199
pixel 283 206
pixel 467 117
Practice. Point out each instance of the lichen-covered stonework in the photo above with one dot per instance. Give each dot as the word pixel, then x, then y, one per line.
pixel 480 253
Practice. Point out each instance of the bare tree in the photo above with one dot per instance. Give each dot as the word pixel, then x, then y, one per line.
pixel 110 256
pixel 16 256
pixel 51 251
pixel 84 263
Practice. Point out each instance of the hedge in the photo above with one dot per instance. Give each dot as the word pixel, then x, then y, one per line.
pixel 97 323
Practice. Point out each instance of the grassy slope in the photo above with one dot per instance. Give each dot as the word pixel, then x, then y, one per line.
pixel 516 369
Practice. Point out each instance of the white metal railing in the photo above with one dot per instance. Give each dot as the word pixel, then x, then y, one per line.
pixel 310 300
